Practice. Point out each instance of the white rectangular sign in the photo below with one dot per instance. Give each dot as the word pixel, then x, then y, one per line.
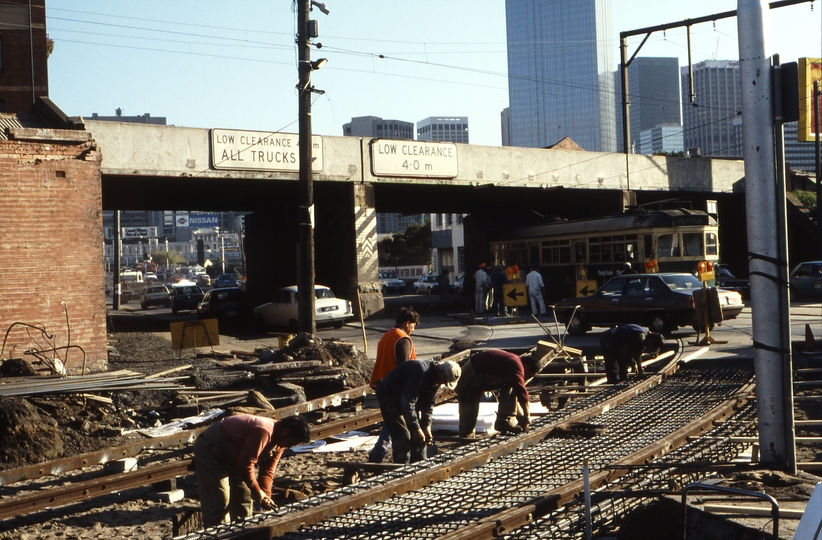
pixel 414 158
pixel 233 149
pixel 139 232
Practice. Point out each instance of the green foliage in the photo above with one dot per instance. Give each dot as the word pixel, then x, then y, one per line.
pixel 680 154
pixel 174 258
pixel 808 198
pixel 413 246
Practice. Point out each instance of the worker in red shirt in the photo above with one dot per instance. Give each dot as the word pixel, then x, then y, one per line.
pixel 225 456
pixel 394 347
pixel 502 371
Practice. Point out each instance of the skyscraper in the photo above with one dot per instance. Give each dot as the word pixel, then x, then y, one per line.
pixel 708 121
pixel 560 78
pixel 374 126
pixel 654 93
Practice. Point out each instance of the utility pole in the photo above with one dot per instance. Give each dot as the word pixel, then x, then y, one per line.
pixel 306 29
pixel 305 268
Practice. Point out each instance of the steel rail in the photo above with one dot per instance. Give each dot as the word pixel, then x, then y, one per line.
pixel 511 519
pixel 59 466
pixel 25 504
pixel 415 476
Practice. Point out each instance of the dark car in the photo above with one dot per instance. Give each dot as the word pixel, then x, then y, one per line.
pixel 806 279
pixel 225 304
pixel 185 297
pixel 662 302
pixel 224 281
pixel 726 280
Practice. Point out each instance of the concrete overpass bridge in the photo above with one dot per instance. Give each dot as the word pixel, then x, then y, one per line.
pixel 149 167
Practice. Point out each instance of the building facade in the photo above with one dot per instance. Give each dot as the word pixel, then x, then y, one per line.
pixel 24 52
pixel 560 73
pixel 376 127
pixel 443 128
pixel 653 91
pixel 708 120
pixel 662 138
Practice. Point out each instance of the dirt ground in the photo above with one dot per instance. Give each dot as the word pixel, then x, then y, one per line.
pixel 49 427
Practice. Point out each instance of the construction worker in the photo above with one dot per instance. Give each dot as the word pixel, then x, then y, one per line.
pixel 394 347
pixel 622 347
pixel 407 391
pixel 500 371
pixel 225 456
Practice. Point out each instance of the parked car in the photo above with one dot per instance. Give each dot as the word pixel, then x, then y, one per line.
pixel 661 302
pixel 726 280
pixel 154 295
pixel 226 304
pixel 203 280
pixel 283 312
pixel 185 297
pixel 390 282
pixel 225 280
pixel 150 276
pixel 806 279
pixel 429 284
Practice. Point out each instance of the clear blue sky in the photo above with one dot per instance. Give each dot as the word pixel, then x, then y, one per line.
pixel 204 63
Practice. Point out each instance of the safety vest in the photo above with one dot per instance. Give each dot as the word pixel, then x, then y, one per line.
pixel 386 355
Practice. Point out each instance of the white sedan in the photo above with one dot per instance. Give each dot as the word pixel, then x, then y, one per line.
pixel 283 311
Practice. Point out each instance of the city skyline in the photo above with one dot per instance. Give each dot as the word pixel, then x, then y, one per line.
pixel 234 66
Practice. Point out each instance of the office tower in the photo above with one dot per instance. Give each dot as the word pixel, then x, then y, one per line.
pixel 374 126
pixel 654 95
pixel 505 125
pixel 708 120
pixel 801 156
pixel 662 138
pixel 560 79
pixel 443 128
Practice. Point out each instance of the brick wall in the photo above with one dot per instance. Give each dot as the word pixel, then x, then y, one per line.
pixel 51 245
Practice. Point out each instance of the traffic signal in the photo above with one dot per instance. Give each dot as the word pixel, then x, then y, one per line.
pixel 705 270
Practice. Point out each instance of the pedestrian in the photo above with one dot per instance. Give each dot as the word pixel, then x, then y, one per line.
pixel 498 279
pixel 535 285
pixel 225 456
pixel 394 347
pixel 628 269
pixel 622 348
pixel 480 292
pixel 501 371
pixel 406 397
pixel 443 281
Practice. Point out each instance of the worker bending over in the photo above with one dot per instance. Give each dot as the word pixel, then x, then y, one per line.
pixel 502 371
pixel 225 456
pixel 622 348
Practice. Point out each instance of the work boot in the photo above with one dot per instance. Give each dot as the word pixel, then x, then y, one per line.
pixel 507 427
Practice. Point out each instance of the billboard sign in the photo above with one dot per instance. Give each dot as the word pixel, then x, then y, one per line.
pixel 203 220
pixel 810 70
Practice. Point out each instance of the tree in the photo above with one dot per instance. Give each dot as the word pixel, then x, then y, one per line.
pixel 174 258
pixel 407 248
pixel 808 198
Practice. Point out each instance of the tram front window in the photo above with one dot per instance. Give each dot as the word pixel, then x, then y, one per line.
pixel 692 245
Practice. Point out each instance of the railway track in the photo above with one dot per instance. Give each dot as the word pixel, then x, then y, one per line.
pixel 531 483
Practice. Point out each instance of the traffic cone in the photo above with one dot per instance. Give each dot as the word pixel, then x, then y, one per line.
pixel 810 342
pixel 472 320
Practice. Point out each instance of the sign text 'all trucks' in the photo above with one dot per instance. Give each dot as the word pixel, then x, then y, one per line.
pixel 233 149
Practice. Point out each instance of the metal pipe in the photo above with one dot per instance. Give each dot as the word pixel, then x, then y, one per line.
pixel 770 351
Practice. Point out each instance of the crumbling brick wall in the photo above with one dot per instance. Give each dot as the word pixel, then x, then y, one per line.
pixel 51 246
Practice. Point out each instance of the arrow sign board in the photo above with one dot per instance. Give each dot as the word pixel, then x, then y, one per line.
pixel 586 287
pixel 514 294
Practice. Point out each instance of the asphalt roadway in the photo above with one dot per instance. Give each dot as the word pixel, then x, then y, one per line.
pixel 449 327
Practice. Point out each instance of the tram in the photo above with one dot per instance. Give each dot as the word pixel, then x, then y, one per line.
pixel 672 240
